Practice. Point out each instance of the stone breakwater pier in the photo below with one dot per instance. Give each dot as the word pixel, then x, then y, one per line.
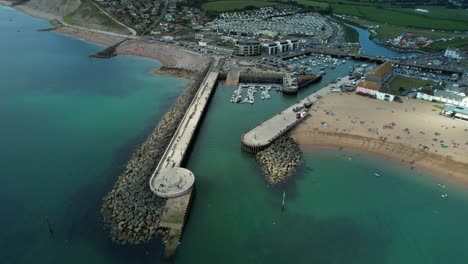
pixel 131 211
pixel 170 180
pixel 267 132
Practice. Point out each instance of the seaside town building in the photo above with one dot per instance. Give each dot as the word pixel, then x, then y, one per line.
pixel 381 73
pixel 247 48
pixel 445 96
pixel 275 47
pixel 372 88
pixel 453 53
pixel 455 112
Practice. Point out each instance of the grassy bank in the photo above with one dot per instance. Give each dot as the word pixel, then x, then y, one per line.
pixel 386 32
pixel 89 16
pixel 458 43
pixel 350 34
pixel 232 5
pixel 437 17
pixel 401 83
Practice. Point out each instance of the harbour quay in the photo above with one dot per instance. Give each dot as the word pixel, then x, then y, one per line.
pixel 169 180
pixel 267 132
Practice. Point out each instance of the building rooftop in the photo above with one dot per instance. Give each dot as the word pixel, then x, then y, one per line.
pixel 382 69
pixel 369 85
pixel 456 109
pixel 248 42
pixel 449 95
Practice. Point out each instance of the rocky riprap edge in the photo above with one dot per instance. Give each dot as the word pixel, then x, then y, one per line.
pixel 280 159
pixel 176 71
pixel 130 210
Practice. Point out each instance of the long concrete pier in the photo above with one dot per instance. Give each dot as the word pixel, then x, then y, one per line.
pixel 267 132
pixel 169 179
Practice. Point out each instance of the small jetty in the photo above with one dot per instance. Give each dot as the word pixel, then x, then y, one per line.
pixel 293 82
pixel 267 132
pixel 108 52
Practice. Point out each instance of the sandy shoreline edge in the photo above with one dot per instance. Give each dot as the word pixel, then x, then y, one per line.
pixel 168 55
pixel 411 132
pixel 407 156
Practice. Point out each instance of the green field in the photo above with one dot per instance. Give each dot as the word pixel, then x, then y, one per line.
pixel 436 18
pixel 401 83
pixel 385 32
pixel 87 15
pixel 350 34
pixel 456 43
pixel 234 5
pixel 310 3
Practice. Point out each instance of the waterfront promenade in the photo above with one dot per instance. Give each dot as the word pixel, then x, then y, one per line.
pixel 267 132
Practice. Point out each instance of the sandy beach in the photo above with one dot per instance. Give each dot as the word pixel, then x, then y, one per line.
pixel 412 132
pixel 167 54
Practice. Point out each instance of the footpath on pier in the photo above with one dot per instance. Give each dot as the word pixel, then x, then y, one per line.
pixel 169 179
pixel 267 132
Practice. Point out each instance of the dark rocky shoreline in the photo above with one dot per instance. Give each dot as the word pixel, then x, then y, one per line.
pixel 176 71
pixel 280 159
pixel 130 210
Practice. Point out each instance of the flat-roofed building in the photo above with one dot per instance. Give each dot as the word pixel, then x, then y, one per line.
pixel 293 44
pixel 247 48
pixel 270 48
pixel 455 111
pixel 275 47
pixel 283 45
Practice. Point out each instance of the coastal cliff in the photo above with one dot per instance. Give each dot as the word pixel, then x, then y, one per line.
pixel 53 8
pixel 130 210
pixel 79 13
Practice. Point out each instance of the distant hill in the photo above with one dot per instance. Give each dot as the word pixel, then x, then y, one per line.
pixel 53 7
pixel 82 13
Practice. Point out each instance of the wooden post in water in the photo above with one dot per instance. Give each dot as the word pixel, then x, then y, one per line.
pixel 50 228
pixel 282 203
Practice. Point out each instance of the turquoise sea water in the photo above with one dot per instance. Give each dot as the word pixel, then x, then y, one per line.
pixel 68 124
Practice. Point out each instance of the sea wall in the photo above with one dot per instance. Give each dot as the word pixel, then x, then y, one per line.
pixel 280 159
pixel 255 77
pixel 130 210
pixel 108 52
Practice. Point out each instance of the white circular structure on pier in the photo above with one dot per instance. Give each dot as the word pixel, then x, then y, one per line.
pixel 172 182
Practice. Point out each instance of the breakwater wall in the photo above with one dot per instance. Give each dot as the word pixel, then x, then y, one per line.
pixel 130 210
pixel 254 147
pixel 306 80
pixel 256 77
pixel 280 159
pixel 108 52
